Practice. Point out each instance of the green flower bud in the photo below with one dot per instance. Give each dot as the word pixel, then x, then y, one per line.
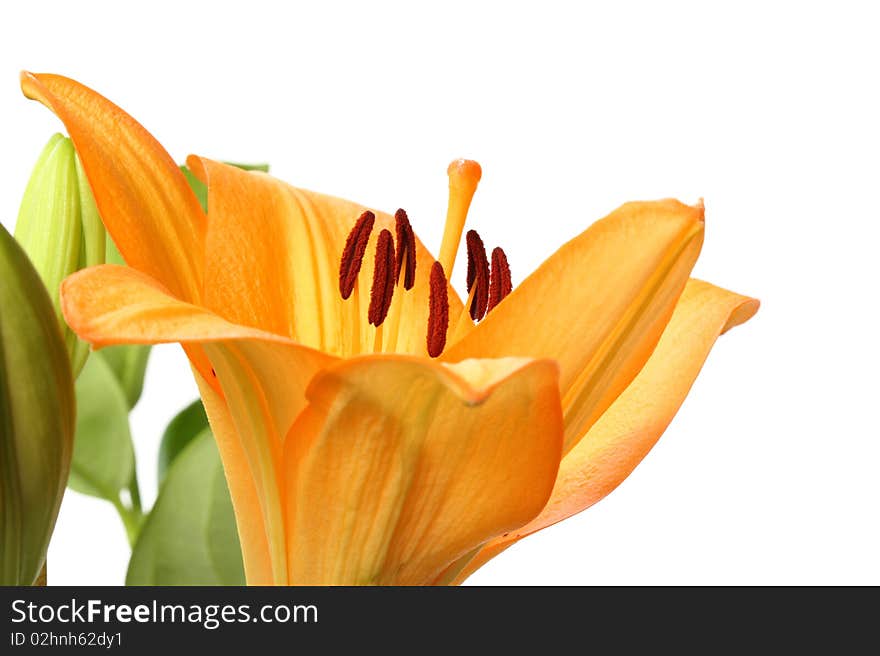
pixel 37 409
pixel 59 227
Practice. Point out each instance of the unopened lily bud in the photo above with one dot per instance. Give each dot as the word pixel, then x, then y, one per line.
pixel 59 227
pixel 37 409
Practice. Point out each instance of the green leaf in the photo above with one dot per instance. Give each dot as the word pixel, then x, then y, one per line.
pixel 103 456
pixel 182 430
pixel 200 189
pixel 190 537
pixel 249 167
pixel 129 365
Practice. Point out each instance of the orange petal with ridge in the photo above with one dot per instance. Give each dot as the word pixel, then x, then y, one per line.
pixel 598 305
pixel 112 304
pixel 263 378
pixel 637 419
pixel 272 262
pixel 144 199
pixel 245 497
pixel 399 465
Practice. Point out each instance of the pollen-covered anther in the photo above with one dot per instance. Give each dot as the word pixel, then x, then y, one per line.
pixel 477 275
pixel 383 279
pixel 406 250
pixel 438 312
pixel 500 284
pixel 353 252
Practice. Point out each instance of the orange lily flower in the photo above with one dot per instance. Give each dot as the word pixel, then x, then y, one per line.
pixel 370 430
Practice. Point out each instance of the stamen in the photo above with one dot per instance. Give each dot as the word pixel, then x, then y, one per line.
pixel 406 250
pixel 464 323
pixel 353 253
pixel 477 275
pixel 383 279
pixel 438 313
pixel 464 175
pixel 501 284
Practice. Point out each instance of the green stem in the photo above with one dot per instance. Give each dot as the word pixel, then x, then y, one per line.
pixel 131 519
pixel 135 491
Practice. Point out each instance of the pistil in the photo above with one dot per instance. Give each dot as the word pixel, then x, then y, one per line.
pixel 395 266
pixel 464 175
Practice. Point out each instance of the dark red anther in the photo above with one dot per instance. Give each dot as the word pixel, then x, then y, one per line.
pixel 353 253
pixel 501 284
pixel 383 279
pixel 477 275
pixel 406 250
pixel 438 312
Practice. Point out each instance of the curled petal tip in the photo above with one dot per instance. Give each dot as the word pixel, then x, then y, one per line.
pixel 28 80
pixel 33 87
pixel 466 170
pixel 742 313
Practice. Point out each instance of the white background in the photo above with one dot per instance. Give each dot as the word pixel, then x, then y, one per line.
pixel 770 111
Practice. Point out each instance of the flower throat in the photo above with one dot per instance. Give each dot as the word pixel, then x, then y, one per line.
pixel 488 282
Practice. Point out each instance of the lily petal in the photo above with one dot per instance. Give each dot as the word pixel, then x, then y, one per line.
pixel 252 532
pixel 262 376
pixel 142 196
pixel 598 305
pixel 272 262
pixel 112 304
pixel 415 464
pixel 637 419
